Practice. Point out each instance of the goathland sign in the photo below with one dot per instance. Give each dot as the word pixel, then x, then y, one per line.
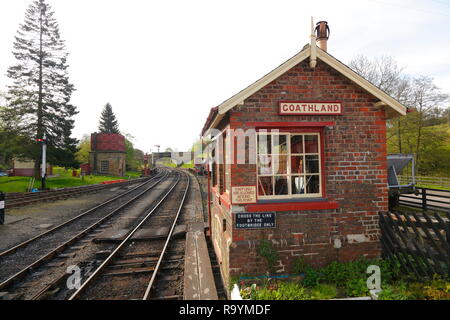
pixel 310 108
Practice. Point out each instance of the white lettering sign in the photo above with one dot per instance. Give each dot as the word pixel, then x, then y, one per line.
pixel 243 194
pixel 310 108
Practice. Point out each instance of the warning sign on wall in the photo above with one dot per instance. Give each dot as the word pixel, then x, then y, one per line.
pixel 243 194
pixel 255 220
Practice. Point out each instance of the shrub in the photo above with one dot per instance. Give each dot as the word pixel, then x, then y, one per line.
pixel 299 266
pixel 266 251
pixel 324 291
pixel 312 277
pixel 356 287
pixel 437 289
pixel 285 291
pixel 394 293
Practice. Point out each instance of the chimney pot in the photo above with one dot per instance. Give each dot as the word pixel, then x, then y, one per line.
pixel 322 34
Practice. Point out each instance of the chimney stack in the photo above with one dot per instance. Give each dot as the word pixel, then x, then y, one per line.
pixel 322 34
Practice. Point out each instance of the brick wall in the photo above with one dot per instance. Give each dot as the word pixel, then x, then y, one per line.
pixel 355 168
pixel 116 163
pixel 107 142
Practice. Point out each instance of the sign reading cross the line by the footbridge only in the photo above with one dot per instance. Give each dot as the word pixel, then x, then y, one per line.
pixel 256 220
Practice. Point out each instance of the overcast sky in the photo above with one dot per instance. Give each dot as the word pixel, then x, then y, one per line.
pixel 163 64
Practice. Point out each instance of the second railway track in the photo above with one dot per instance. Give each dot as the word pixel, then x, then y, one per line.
pixel 23 260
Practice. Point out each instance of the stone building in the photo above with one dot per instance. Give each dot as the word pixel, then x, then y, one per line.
pixel 301 162
pixel 108 154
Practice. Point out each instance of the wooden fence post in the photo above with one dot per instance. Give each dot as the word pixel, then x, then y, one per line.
pixel 424 199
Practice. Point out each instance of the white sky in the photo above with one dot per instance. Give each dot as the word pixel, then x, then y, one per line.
pixel 163 64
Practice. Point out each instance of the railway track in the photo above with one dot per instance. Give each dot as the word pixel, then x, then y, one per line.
pixel 83 214
pixel 134 268
pixel 18 199
pixel 28 256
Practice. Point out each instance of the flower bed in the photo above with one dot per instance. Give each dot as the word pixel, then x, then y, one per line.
pixel 344 280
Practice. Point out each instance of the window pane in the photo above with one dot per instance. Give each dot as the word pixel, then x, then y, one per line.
pixel 265 186
pixel 296 164
pixel 297 144
pixel 298 184
pixel 311 144
pixel 312 164
pixel 280 164
pixel 265 164
pixel 264 144
pixel 312 185
pixel 281 186
pixel 279 144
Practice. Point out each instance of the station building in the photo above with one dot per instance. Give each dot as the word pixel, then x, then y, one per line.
pixel 300 160
pixel 107 155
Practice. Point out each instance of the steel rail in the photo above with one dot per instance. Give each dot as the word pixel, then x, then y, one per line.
pixel 26 242
pixel 49 255
pixel 169 237
pixel 97 272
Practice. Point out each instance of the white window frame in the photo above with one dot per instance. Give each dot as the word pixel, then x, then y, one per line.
pixel 288 173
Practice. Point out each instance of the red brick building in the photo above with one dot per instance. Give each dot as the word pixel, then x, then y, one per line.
pixel 311 175
pixel 108 154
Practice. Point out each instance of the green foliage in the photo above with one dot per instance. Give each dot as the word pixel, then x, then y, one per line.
pixel 344 274
pixel 283 291
pixel 266 250
pixel 433 148
pixel 437 289
pixel 299 266
pixel 349 279
pixel 356 287
pixel 312 277
pixel 391 292
pixel 130 155
pixel 38 99
pixel 422 131
pixel 324 291
pixel 82 154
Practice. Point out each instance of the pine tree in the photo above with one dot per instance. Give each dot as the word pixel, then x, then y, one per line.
pixel 40 92
pixel 108 121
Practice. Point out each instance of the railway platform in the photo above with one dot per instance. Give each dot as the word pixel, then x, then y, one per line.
pixel 199 279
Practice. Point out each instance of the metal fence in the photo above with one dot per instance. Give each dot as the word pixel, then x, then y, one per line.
pixel 427 198
pixel 421 180
pixel 420 242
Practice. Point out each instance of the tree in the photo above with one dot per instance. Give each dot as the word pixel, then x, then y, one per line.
pixel 39 96
pixel 11 142
pixel 411 133
pixel 83 149
pixel 108 121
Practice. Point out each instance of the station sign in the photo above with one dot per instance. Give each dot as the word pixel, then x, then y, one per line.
pixel 310 108
pixel 243 194
pixel 256 220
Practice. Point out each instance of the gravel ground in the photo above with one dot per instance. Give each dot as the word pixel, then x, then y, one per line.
pixel 26 222
pixel 134 286
pixel 85 252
